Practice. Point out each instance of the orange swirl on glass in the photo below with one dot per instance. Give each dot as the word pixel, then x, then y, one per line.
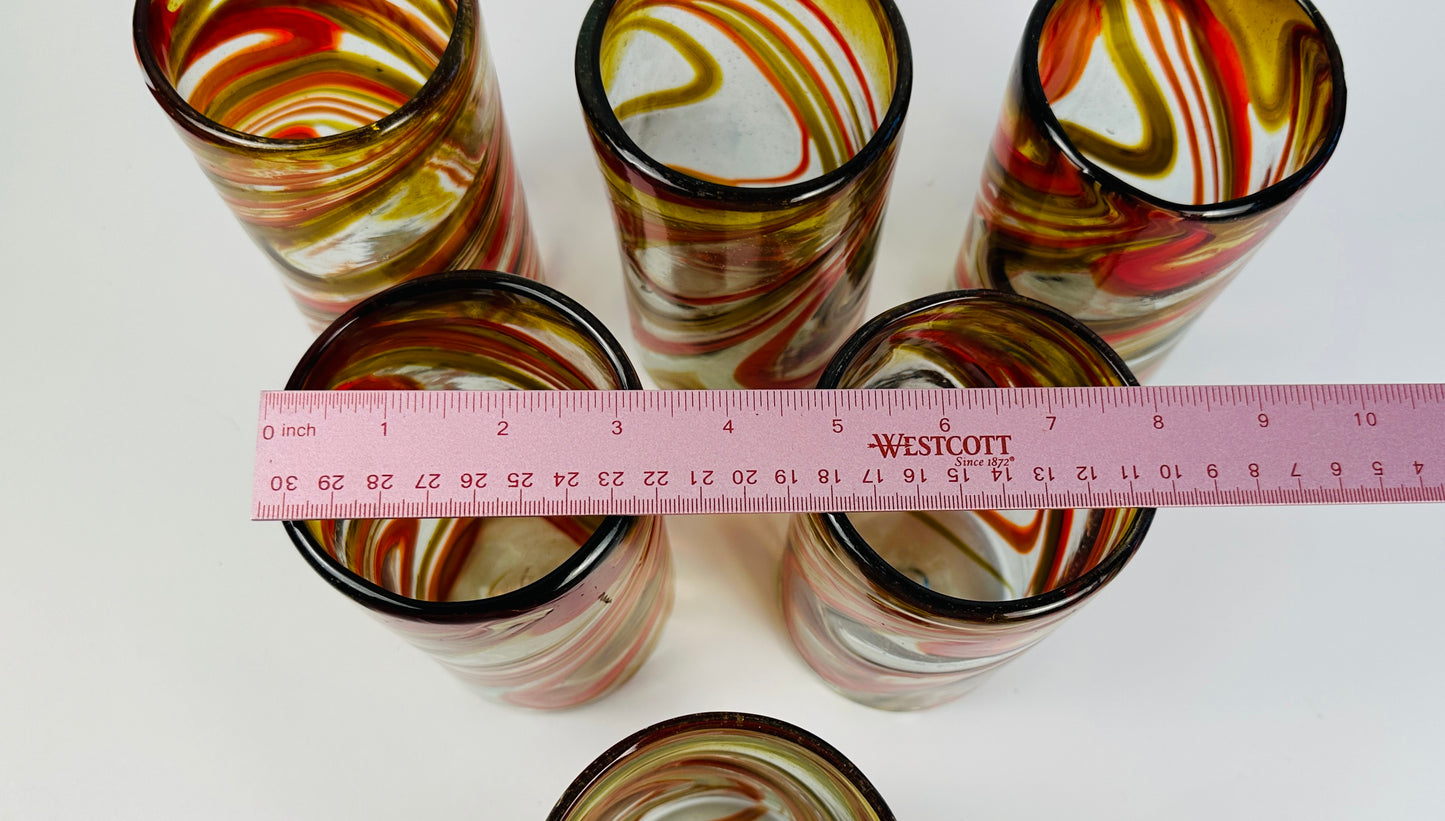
pixel 747 147
pixel 903 611
pixel 360 143
pixel 1145 150
pixel 541 612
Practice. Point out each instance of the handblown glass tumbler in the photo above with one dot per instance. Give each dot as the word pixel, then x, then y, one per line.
pixel 907 610
pixel 1145 149
pixel 747 148
pixel 540 612
pixel 359 142
pixel 721 767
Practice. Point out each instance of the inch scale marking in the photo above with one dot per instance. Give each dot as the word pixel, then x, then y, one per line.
pixel 432 454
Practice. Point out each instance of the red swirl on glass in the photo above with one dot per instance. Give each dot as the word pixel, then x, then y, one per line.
pixel 747 147
pixel 360 144
pixel 904 611
pixel 1144 151
pixel 722 766
pixel 543 612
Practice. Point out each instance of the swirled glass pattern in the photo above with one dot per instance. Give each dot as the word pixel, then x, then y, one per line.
pixel 1145 149
pixel 721 767
pixel 908 610
pixel 539 611
pixel 359 142
pixel 747 147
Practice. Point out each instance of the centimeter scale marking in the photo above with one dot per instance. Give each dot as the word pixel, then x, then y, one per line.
pixel 434 454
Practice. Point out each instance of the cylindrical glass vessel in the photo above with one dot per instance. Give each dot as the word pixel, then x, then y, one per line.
pixel 1144 151
pixel 359 142
pixel 747 148
pixel 540 612
pixel 721 767
pixel 907 610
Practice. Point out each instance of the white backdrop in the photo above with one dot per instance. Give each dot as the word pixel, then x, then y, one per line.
pixel 163 657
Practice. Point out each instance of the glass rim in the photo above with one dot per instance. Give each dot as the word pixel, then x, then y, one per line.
pixel 883 574
pixel 575 567
pixel 1038 107
pixel 608 128
pixel 750 723
pixel 445 75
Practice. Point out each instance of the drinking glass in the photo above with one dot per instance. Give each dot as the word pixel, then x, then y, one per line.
pixel 747 148
pixel 717 767
pixel 538 611
pixel 907 610
pixel 359 142
pixel 1144 151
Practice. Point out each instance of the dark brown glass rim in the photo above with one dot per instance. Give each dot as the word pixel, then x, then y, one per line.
pixel 429 290
pixel 1043 114
pixel 609 130
pixel 905 589
pixel 446 75
pixel 745 722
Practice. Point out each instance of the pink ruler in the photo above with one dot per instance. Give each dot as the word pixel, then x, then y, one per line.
pixel 428 454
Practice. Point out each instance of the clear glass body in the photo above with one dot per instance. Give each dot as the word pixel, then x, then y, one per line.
pixel 908 610
pixel 747 148
pixel 360 144
pixel 1143 153
pixel 538 611
pixel 721 767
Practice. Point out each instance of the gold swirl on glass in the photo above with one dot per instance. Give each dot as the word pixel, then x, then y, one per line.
pixel 359 142
pixel 1145 149
pixel 747 147
pixel 908 610
pixel 538 611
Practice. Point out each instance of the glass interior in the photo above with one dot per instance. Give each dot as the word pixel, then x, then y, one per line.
pixel 470 339
pixel 983 341
pixel 752 92
pixel 719 774
pixel 1193 101
pixel 289 69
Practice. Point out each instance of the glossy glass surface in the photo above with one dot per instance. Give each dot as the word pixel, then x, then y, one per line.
pixel 908 610
pixel 747 147
pixel 541 612
pixel 721 767
pixel 360 143
pixel 1144 151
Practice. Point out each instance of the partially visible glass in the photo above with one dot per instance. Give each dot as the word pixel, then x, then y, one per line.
pixel 747 148
pixel 721 767
pixel 541 612
pixel 359 142
pixel 908 610
pixel 1144 152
